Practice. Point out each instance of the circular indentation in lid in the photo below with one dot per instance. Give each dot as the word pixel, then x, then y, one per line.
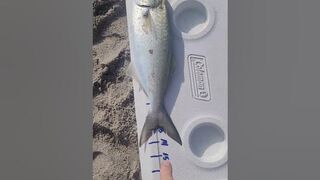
pixel 205 142
pixel 192 19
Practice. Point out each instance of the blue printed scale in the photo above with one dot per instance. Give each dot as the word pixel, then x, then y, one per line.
pixel 156 150
pixel 160 144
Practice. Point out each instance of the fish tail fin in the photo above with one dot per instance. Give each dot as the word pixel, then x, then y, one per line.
pixel 168 126
pixel 155 120
pixel 150 124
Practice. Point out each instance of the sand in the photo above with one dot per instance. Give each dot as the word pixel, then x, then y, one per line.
pixel 115 147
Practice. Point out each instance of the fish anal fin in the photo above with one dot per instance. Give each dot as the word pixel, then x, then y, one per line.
pixel 132 72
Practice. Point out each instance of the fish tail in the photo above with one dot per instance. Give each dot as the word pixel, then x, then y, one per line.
pixel 159 119
pixel 168 127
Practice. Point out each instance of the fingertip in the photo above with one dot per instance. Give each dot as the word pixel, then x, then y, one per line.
pixel 166 171
pixel 166 163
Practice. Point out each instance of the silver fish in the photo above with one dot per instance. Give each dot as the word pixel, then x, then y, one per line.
pixel 150 45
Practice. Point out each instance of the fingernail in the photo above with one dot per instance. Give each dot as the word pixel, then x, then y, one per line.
pixel 166 163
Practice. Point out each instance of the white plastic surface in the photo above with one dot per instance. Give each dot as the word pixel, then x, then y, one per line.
pixel 197 96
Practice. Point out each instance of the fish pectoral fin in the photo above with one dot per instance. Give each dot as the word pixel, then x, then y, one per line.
pixel 147 24
pixel 163 3
pixel 132 72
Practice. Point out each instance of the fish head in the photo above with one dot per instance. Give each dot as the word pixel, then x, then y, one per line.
pixel 149 3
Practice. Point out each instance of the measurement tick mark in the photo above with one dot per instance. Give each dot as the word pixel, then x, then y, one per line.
pixel 154 142
pixel 156 156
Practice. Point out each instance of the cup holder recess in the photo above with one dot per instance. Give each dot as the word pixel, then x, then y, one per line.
pixel 205 142
pixel 192 18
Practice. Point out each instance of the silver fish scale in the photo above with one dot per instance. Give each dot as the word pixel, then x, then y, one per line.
pixel 152 58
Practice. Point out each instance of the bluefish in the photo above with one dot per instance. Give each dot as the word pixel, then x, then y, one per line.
pixel 151 49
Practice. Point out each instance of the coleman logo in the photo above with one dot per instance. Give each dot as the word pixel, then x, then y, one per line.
pixel 199 77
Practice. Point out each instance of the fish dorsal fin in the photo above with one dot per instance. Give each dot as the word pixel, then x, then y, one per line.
pixel 131 71
pixel 172 67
